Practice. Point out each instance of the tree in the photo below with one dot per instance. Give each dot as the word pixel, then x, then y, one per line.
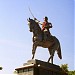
pixel 64 67
pixel 71 73
pixel 15 72
pixel 0 68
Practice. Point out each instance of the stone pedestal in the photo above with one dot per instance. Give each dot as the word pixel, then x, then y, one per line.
pixel 37 67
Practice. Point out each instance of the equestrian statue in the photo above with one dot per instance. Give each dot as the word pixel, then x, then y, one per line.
pixel 43 38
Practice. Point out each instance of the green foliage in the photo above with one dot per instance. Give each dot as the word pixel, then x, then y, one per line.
pixel 71 73
pixel 0 68
pixel 15 72
pixel 64 67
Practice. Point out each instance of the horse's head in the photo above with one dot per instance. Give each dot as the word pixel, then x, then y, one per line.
pixel 31 24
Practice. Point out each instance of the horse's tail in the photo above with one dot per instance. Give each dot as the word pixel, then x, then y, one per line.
pixel 58 48
pixel 59 51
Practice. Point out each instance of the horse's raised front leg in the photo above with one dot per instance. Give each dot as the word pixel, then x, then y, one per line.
pixel 33 50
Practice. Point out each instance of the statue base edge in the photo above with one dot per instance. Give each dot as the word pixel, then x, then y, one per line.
pixel 40 67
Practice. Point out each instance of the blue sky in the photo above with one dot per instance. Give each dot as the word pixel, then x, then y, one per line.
pixel 16 40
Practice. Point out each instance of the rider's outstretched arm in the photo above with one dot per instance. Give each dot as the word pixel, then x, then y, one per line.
pixel 37 21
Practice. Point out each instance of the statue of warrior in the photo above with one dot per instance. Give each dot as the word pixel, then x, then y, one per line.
pixel 52 43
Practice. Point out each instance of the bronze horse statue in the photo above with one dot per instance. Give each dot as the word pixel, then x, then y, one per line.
pixel 52 43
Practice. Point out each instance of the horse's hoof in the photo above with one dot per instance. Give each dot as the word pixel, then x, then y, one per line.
pixel 32 57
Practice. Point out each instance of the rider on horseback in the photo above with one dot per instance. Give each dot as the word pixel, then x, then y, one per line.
pixel 45 28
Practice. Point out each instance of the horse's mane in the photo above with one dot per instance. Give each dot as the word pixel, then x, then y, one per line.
pixel 37 26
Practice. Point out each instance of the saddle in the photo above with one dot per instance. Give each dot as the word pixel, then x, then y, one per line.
pixel 46 36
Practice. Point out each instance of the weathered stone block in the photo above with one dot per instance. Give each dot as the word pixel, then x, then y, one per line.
pixel 37 67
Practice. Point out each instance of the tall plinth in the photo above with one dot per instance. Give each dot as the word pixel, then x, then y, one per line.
pixel 37 67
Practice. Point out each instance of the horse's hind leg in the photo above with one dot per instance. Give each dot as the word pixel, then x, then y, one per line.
pixel 50 58
pixel 51 51
pixel 33 50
